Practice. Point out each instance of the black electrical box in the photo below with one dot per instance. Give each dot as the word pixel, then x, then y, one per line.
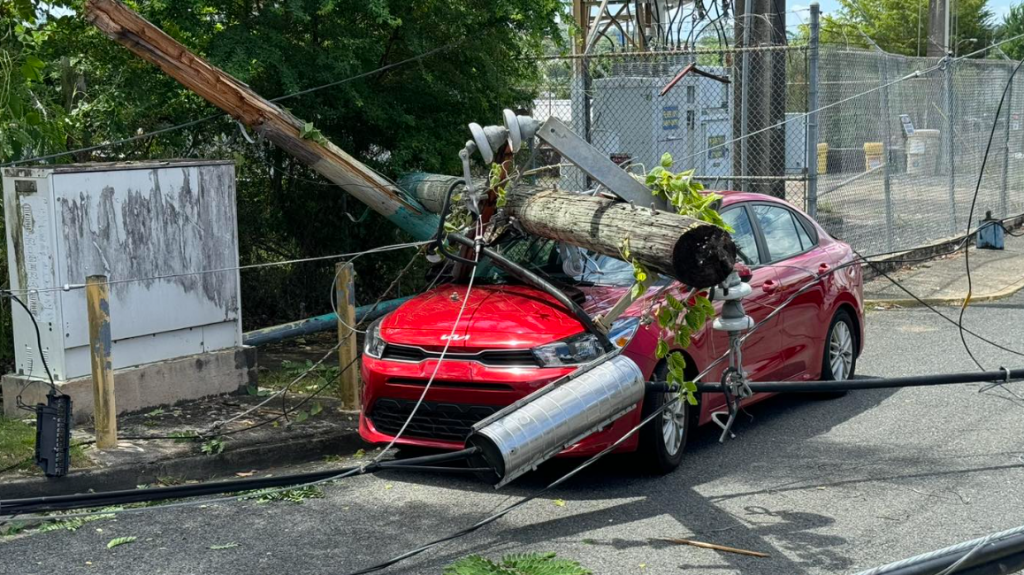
pixel 53 435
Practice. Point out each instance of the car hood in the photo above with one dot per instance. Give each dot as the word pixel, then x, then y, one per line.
pixel 496 316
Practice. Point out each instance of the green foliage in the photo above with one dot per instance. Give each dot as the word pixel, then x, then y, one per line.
pixel 1013 25
pixel 678 320
pixel 297 495
pixel 213 446
pixel 74 523
pixel 118 541
pixel 894 25
pixel 63 85
pixel 185 436
pixel 516 564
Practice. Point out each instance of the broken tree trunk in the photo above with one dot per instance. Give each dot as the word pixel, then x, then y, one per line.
pixel 150 43
pixel 694 252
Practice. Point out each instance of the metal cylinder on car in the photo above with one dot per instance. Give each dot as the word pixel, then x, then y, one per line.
pixel 558 417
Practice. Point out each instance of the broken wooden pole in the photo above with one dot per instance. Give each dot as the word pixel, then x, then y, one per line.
pixel 694 252
pixel 150 43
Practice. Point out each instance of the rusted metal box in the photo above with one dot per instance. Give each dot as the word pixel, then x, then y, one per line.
pixel 164 233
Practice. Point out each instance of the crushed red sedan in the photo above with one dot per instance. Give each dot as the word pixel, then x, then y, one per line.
pixel 513 339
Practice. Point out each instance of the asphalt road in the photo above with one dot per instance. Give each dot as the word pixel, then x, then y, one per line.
pixel 822 486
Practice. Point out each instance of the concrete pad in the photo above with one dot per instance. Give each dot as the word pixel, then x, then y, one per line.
pixel 151 385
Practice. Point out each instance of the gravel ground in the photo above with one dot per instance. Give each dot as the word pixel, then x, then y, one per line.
pixel 823 486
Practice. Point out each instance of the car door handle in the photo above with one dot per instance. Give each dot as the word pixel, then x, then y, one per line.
pixel 769 286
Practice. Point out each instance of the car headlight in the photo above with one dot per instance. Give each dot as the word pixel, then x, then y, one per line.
pixel 374 343
pixel 574 350
pixel 623 330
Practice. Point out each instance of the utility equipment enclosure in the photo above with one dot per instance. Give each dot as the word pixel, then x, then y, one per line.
pixel 164 233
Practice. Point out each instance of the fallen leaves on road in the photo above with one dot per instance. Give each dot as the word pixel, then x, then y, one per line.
pixel 559 502
pixel 117 541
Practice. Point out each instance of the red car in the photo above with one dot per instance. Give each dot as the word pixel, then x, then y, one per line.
pixel 513 339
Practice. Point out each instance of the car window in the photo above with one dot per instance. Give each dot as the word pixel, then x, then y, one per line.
pixel 743 235
pixel 783 235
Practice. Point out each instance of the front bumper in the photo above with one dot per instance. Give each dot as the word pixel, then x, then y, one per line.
pixel 462 393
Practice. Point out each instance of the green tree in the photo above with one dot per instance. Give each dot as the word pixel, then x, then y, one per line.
pixel 901 26
pixel 1013 25
pixel 65 86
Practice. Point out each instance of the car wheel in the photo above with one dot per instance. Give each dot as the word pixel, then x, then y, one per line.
pixel 839 360
pixel 663 440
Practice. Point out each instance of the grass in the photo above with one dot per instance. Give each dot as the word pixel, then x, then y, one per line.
pixel 18 447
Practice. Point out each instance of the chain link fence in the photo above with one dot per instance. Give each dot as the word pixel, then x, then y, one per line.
pixel 637 106
pixel 896 153
pixel 901 142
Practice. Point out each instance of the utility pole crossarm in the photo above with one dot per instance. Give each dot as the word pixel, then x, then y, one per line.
pixel 145 40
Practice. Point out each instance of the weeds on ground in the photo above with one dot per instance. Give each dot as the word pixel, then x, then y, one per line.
pixel 516 564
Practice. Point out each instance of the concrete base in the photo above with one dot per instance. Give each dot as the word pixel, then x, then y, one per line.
pixel 151 385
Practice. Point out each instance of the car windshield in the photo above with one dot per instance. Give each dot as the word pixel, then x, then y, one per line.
pixel 562 262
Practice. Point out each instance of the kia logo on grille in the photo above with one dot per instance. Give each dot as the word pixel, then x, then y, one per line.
pixel 454 337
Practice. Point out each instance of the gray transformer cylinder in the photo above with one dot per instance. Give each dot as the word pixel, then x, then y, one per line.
pixel 557 417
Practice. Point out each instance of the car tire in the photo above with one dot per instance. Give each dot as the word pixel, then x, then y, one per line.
pixel 839 358
pixel 661 449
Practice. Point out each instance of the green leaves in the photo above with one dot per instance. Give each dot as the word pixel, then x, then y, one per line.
pixel 213 446
pixel 118 541
pixel 32 69
pixel 516 564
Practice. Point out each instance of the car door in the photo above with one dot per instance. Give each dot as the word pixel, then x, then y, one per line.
pixel 761 350
pixel 791 245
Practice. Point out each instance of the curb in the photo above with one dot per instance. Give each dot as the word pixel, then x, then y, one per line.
pixel 958 300
pixel 301 449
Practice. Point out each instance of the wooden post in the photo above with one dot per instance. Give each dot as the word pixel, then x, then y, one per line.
pixel 100 344
pixel 345 291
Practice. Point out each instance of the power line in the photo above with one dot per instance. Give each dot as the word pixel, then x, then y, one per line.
pixel 353 255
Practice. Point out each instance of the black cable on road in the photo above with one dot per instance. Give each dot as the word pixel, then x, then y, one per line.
pixel 93 500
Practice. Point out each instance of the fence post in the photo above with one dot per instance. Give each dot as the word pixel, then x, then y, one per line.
pixel 812 114
pixel 347 351
pixel 890 227
pixel 744 94
pixel 1004 203
pixel 97 299
pixel 947 77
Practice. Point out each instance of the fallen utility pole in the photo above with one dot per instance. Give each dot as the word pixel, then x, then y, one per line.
pixel 694 252
pixel 145 40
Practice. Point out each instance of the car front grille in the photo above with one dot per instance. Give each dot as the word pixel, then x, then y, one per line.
pixel 490 357
pixel 433 420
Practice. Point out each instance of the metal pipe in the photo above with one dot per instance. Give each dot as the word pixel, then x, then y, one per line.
pixel 880 383
pixel 317 324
